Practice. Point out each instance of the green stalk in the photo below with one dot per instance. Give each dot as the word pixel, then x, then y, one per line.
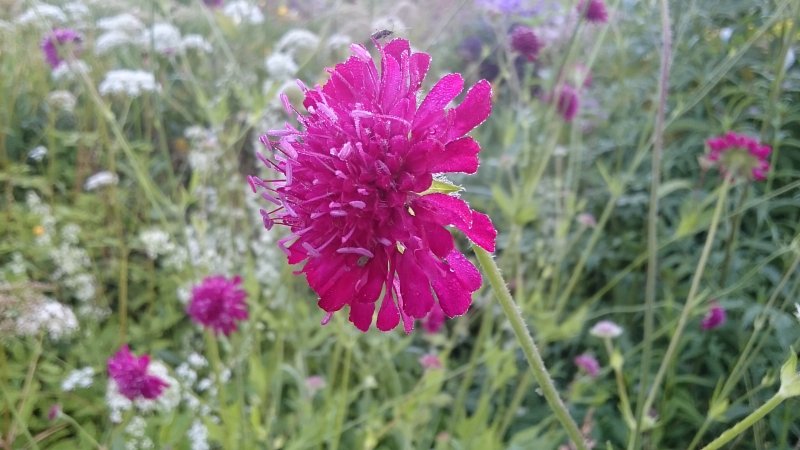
pixel 216 366
pixel 625 403
pixel 342 411
pixel 747 422
pixel 81 430
pixel 732 236
pixel 690 300
pixel 483 333
pixel 525 340
pixel 652 217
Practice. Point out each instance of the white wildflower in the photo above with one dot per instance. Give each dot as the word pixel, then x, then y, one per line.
pixel 187 375
pixel 242 11
pixel 797 310
pixel 42 13
pixel 198 436
pixel 338 41
pixel 70 70
pixel 281 65
pixel 100 179
pixel 62 100
pixel 78 379
pixel 164 38
pixel 155 241
pixel 76 11
pixel 204 384
pixel 56 319
pixel 184 294
pixel 195 42
pixel 606 329
pixel 725 34
pixel 70 233
pixel 196 360
pixel 789 60
pixel 126 23
pixel 38 153
pixel 296 40
pixel 111 40
pixel 128 82
pixel 82 285
pixel 17 264
pixel 137 437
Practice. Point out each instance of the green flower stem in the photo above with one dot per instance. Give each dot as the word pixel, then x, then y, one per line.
pixel 747 422
pixel 81 430
pixel 624 401
pixel 216 366
pixel 525 340
pixel 690 298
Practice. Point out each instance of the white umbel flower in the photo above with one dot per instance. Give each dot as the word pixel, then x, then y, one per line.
pixel 298 39
pixel 165 38
pixel 100 179
pixel 52 317
pixel 62 100
pixel 111 40
pixel 70 71
pixel 195 42
pixel 42 14
pixel 242 11
pixel 156 242
pixel 281 65
pixel 125 23
pixel 128 82
pixel 198 436
pixel 78 379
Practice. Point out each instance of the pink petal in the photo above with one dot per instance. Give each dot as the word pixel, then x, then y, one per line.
pixel 453 297
pixel 388 314
pixel 414 287
pixel 482 231
pixel 475 108
pixel 418 68
pixel 458 156
pixel 447 210
pixel 432 108
pixel 439 239
pixel 465 271
pixel 361 315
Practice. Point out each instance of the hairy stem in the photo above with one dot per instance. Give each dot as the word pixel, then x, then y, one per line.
pixel 525 340
pixel 746 423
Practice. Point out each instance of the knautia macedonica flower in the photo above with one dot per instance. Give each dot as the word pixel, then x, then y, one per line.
pixel 740 155
pixel 130 374
pixel 57 43
pixel 714 318
pixel 218 303
pixel 588 363
pixel 567 102
pixel 357 190
pixel 524 41
pixel 594 11
pixel 606 329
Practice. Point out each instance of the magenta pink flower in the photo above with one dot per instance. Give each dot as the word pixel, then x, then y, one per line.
pixel 714 318
pixel 588 363
pixel 595 11
pixel 567 102
pixel 130 374
pixel 740 154
pixel 219 304
pixel 430 361
pixel 525 42
pixel 434 322
pixel 63 39
pixel 354 188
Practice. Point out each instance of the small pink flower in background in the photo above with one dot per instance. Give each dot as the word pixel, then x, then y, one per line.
pixel 567 102
pixel 740 155
pixel 130 374
pixel 587 220
pixel 588 363
pixel 595 11
pixel 54 412
pixel 353 188
pixel 606 329
pixel 714 318
pixel 218 303
pixel 314 384
pixel 435 320
pixel 63 39
pixel 525 42
pixel 430 362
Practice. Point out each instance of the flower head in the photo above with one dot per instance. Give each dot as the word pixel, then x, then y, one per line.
pixel 606 329
pixel 57 43
pixel 314 384
pixel 740 155
pixel 218 303
pixel 525 42
pixel 588 363
pixel 430 361
pixel 595 11
pixel 434 321
pixel 714 318
pixel 567 102
pixel 130 374
pixel 356 188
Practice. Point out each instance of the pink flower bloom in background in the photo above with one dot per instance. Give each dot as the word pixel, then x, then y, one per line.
pixel 525 42
pixel 435 320
pixel 714 318
pixel 606 329
pixel 354 189
pixel 595 11
pixel 54 412
pixel 740 154
pixel 130 374
pixel 567 102
pixel 588 363
pixel 314 384
pixel 430 361
pixel 218 303
pixel 64 39
pixel 587 220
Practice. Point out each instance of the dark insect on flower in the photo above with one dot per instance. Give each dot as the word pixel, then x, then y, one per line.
pixel 378 35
